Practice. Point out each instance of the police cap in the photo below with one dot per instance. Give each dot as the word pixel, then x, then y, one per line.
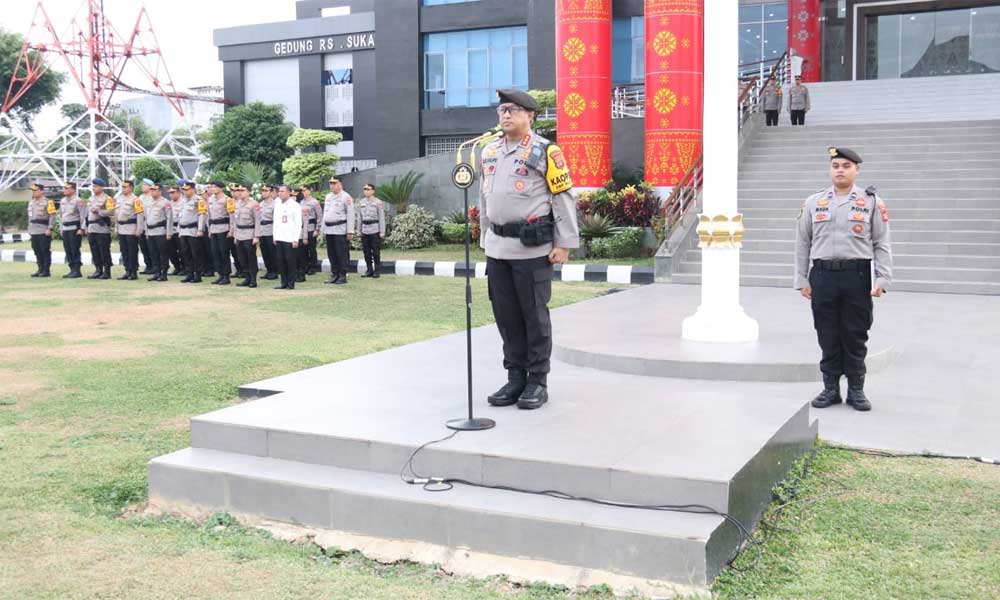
pixel 845 153
pixel 99 181
pixel 522 99
pixel 36 187
pixel 70 184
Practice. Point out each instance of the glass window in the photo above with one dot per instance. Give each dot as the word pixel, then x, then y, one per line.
pixel 752 13
pixel 628 47
pixel 775 12
pixel 436 2
pixel 462 68
pixel 763 35
pixel 984 45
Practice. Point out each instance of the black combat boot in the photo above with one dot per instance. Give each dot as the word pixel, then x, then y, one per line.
pixel 270 276
pixel 830 394
pixel 38 272
pixel 125 276
pixel 97 274
pixel 535 394
pixel 74 273
pixel 244 283
pixel 511 391
pixel 253 279
pixel 342 279
pixel 133 276
pixel 856 393
pixel 224 280
pixel 107 273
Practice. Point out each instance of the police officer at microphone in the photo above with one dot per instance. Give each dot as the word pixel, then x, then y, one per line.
pixel 528 223
pixel 841 231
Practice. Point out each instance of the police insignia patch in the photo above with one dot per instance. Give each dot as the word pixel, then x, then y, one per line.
pixel 861 202
pixel 557 173
pixel 858 216
pixel 858 228
pixel 519 185
pixel 823 202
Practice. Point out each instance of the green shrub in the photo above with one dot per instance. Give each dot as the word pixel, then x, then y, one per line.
pixel 412 229
pixel 457 216
pixel 398 190
pixel 625 242
pixel 453 233
pixel 595 226
pixel 14 216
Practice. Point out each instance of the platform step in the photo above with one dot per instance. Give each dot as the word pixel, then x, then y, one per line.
pixel 680 547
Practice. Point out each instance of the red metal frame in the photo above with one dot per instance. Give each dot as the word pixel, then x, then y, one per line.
pixel 96 56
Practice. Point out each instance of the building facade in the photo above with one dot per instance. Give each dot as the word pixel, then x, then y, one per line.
pixel 401 79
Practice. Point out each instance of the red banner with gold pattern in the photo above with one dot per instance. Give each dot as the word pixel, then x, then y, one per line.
pixel 583 88
pixel 804 37
pixel 674 88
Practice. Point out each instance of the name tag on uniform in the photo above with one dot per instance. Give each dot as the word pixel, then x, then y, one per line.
pixel 284 218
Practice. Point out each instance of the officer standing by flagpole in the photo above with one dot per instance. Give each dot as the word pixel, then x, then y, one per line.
pixel 129 223
pixel 191 225
pixel 100 209
pixel 371 226
pixel 338 223
pixel 840 232
pixel 265 220
pixel 159 229
pixel 528 223
pixel 220 229
pixel 72 216
pixel 41 221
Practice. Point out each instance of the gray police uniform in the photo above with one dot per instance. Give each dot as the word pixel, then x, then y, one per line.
pixel 798 103
pixel 147 258
pixel 771 103
pixel 189 224
pixel 41 222
pixel 516 195
pixel 837 239
pixel 159 224
pixel 129 224
pixel 338 220
pixel 72 221
pixel 220 226
pixel 371 226
pixel 312 212
pixel 247 230
pixel 265 222
pixel 99 235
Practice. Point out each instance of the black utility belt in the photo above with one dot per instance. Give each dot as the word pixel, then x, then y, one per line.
pixel 312 221
pixel 128 222
pixel 369 222
pixel 188 225
pixel 537 232
pixel 40 221
pixel 246 227
pixel 266 222
pixel 102 221
pixel 334 223
pixel 219 221
pixel 71 224
pixel 847 264
pixel 155 225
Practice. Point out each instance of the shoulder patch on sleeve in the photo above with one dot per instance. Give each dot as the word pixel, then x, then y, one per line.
pixel 557 171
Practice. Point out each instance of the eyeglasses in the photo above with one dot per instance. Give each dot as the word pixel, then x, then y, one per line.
pixel 368 189
pixel 512 109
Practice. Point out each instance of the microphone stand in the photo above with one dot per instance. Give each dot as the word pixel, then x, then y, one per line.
pixel 463 176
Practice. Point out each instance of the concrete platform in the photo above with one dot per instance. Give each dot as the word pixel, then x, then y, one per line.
pixel 324 447
pixel 638 333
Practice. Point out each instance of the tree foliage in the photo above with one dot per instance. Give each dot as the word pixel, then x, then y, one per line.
pixel 254 132
pixel 399 190
pixel 308 138
pixel 148 167
pixel 43 92
pixel 309 169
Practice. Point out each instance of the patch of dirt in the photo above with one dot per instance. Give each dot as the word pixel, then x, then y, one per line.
pixel 180 422
pixel 18 383
pixel 77 352
pixel 47 294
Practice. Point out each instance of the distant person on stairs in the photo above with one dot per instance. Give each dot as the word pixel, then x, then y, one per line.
pixel 771 99
pixel 798 102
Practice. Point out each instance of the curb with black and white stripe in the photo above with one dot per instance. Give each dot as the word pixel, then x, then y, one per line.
pixel 13 238
pixel 624 274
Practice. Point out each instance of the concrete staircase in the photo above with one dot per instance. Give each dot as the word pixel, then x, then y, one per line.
pixel 940 180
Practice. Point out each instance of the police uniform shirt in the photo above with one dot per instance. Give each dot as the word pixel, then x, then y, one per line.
pixel 339 207
pixel 798 98
pixel 72 212
pixel 371 216
pixel 39 219
pixel 219 213
pixel 312 211
pixel 772 98
pixel 514 188
pixel 844 227
pixel 287 221
pixel 159 217
pixel 100 221
pixel 265 217
pixel 245 218
pixel 128 220
pixel 189 221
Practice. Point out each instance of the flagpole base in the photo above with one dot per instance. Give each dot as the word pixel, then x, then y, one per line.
pixel 471 424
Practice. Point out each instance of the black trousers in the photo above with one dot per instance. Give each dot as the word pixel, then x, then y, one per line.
pixel 798 117
pixel 174 252
pixel 302 257
pixel 100 250
pixel 193 252
pixel 285 257
pixel 267 253
pixel 144 248
pixel 312 251
pixel 71 246
pixel 520 291
pixel 248 257
pixel 842 315
pixel 220 243
pixel 159 260
pixel 371 244
pixel 128 245
pixel 771 117
pixel 237 263
pixel 208 262
pixel 41 245
pixel 338 250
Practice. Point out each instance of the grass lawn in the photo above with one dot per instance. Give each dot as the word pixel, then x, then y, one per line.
pixel 96 378
pixel 450 252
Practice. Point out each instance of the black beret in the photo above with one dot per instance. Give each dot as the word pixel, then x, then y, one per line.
pixel 70 184
pixel 522 99
pixel 845 153
pixel 126 182
pixel 37 187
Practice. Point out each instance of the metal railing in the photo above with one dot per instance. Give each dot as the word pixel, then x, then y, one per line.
pixel 628 101
pixel 682 198
pixel 752 86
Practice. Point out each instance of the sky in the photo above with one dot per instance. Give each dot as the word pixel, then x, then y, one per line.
pixel 183 29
